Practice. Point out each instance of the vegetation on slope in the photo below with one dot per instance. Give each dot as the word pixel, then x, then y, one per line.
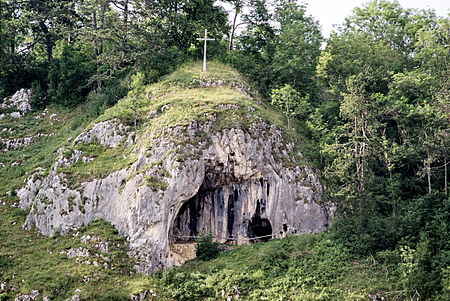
pixel 183 97
pixel 309 267
pixel 375 103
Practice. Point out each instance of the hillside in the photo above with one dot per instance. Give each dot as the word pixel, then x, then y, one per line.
pixel 94 262
pixel 299 167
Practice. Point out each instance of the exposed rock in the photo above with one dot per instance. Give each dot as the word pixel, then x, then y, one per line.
pixel 109 133
pixel 77 252
pixel 74 298
pixel 232 184
pixel 20 101
pixel 74 157
pixel 103 246
pixel 16 115
pixel 143 295
pixel 8 130
pixel 42 114
pixel 33 295
pixel 16 143
pixel 212 82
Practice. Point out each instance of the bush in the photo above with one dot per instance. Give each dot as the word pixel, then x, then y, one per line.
pixel 206 249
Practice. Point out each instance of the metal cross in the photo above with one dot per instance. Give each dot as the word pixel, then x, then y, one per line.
pixel 206 39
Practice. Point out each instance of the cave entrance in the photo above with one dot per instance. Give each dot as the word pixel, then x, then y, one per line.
pixel 220 210
pixel 260 229
pixel 210 211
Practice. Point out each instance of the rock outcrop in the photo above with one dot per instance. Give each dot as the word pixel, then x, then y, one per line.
pixel 16 143
pixel 19 102
pixel 109 133
pixel 241 185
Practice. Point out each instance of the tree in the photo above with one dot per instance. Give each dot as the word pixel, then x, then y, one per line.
pixel 290 102
pixel 136 87
pixel 298 47
pixel 68 76
pixel 238 6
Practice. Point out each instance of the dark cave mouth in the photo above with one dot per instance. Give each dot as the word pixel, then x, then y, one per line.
pixel 217 211
pixel 259 229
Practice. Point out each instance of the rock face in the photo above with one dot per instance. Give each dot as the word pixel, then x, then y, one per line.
pixel 229 185
pixel 109 133
pixel 240 185
pixel 16 143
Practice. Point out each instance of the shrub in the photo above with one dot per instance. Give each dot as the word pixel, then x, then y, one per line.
pixel 206 249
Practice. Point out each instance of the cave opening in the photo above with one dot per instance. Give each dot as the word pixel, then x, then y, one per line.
pixel 219 208
pixel 259 228
pixel 210 211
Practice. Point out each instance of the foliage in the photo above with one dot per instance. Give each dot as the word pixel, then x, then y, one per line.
pixel 297 47
pixel 206 248
pixel 290 102
pixel 371 109
pixel 386 148
pixel 68 77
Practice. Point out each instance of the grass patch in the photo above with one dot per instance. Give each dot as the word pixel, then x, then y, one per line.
pixel 155 183
pixel 18 164
pixel 307 267
pixel 106 160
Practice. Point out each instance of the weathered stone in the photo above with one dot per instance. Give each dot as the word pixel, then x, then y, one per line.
pixel 212 82
pixel 74 298
pixel 33 295
pixel 20 101
pixel 233 184
pixel 143 295
pixel 16 115
pixel 16 143
pixel 77 252
pixel 74 157
pixel 109 133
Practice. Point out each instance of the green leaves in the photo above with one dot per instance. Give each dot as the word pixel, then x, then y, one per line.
pixel 206 249
pixel 290 102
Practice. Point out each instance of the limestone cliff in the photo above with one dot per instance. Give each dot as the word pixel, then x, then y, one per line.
pixel 193 154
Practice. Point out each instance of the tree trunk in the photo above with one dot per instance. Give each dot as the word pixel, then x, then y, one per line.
pixel 48 39
pixel 428 167
pixel 233 27
pixel 125 17
pixel 445 177
pixel 96 47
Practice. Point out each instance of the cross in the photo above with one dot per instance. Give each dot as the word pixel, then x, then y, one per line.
pixel 206 39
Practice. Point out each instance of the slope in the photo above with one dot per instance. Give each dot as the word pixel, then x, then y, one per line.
pixel 93 261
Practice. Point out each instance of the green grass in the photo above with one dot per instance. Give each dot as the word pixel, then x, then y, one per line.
pixel 176 102
pixel 41 154
pixel 106 160
pixel 31 261
pixel 307 267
